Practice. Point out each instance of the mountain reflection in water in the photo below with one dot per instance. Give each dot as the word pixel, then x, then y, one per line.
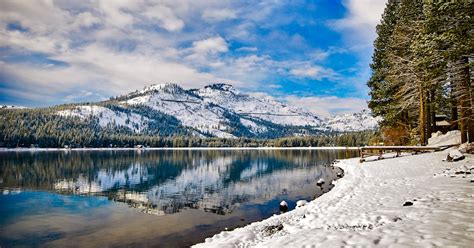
pixel 168 182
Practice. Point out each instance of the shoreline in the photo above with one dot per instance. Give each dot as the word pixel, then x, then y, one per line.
pixel 366 207
pixel 3 149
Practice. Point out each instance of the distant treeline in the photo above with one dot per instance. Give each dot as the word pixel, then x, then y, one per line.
pixel 43 128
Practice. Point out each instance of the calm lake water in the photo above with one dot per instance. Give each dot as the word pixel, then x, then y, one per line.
pixel 172 198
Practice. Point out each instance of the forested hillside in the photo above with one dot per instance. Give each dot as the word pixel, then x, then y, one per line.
pixel 422 67
pixel 44 128
pixel 166 115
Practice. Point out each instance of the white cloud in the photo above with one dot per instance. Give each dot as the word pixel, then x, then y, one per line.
pixel 247 49
pixel 96 68
pixel 327 106
pixel 165 17
pixel 41 17
pixel 115 12
pixel 85 19
pixel 319 55
pixel 360 22
pixel 314 72
pixel 211 45
pixel 114 47
pixel 25 41
pixel 211 15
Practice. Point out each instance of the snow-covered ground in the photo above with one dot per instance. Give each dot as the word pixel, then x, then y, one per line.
pixel 366 208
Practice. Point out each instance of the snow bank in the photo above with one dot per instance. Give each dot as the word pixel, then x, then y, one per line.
pixel 366 208
pixel 450 138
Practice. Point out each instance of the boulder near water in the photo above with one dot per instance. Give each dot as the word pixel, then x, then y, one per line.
pixel 283 206
pixel 320 182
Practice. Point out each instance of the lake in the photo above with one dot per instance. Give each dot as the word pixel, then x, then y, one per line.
pixel 158 198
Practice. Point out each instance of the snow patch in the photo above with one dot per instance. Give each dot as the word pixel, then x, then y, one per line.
pixel 450 138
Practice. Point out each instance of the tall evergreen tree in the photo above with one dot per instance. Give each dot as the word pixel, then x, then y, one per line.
pixel 422 60
pixel 381 90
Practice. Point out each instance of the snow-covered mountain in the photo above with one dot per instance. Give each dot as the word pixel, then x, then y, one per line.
pixel 217 110
pixel 352 122
pixel 265 109
pixel 12 107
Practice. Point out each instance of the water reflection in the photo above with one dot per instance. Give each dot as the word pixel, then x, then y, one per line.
pixel 164 182
pixel 96 198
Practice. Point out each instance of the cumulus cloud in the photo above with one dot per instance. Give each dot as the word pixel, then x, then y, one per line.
pixel 211 45
pixel 165 17
pixel 362 18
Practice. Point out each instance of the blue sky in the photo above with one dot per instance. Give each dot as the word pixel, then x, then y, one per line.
pixel 313 54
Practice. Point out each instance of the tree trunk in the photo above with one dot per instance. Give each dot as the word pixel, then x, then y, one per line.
pixel 465 122
pixel 422 123
pixel 454 115
pixel 469 102
pixel 462 122
pixel 433 112
pixel 428 115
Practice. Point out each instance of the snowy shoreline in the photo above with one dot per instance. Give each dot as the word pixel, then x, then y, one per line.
pixel 3 149
pixel 366 208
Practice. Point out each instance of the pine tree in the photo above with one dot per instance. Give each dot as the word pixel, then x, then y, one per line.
pixel 381 90
pixel 456 35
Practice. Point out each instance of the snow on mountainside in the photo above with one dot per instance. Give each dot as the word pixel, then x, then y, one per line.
pixel 265 109
pixel 108 117
pixel 208 109
pixel 352 122
pixel 217 110
pixel 190 109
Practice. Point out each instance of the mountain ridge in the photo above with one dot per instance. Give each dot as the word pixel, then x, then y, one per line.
pixel 215 110
pixel 218 110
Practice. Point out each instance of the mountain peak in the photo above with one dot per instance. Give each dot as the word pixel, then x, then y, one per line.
pixel 220 86
pixel 167 87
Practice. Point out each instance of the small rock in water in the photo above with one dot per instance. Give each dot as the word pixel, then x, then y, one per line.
pixel 283 206
pixel 320 182
pixel 301 203
pixel 408 203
